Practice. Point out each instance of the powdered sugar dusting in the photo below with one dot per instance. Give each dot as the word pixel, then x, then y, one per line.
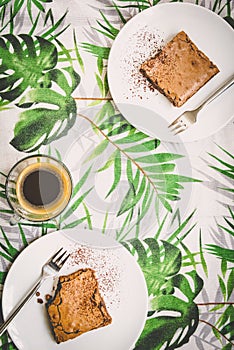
pixel 106 266
pixel 146 43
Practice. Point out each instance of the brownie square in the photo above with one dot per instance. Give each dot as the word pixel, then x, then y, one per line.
pixel 77 306
pixel 179 70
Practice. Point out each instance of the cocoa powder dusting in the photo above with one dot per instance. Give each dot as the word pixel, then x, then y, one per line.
pixel 145 44
pixel 106 270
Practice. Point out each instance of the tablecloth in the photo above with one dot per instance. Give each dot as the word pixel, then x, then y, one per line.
pixel 188 211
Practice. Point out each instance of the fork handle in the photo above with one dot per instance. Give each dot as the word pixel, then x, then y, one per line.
pixel 223 87
pixel 18 307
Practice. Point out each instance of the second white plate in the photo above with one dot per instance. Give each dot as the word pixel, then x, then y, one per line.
pixel 141 38
pixel 121 282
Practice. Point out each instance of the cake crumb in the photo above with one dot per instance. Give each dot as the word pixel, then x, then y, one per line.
pixel 48 297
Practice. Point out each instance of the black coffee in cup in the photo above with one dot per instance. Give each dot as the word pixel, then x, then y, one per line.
pixel 42 187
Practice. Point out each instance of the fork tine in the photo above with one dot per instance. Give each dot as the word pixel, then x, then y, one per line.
pixel 177 123
pixel 62 262
pixel 59 257
pixel 54 256
pixel 57 261
pixel 180 129
pixel 176 126
pixel 173 123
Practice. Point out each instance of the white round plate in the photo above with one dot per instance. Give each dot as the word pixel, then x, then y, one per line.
pixel 140 39
pixel 121 283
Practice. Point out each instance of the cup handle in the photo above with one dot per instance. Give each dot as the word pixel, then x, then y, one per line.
pixel 14 219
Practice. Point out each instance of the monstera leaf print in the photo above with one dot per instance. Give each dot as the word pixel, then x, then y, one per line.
pixel 24 63
pixel 180 317
pixel 42 124
pixel 29 77
pixel 173 315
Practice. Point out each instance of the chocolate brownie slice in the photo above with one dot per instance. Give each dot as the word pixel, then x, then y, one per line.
pixel 77 306
pixel 179 70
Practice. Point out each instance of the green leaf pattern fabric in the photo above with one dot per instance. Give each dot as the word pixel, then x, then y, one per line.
pixel 170 205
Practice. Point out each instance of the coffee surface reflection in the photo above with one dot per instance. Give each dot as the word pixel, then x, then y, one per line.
pixel 41 187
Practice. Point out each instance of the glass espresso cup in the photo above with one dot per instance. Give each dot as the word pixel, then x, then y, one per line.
pixel 38 188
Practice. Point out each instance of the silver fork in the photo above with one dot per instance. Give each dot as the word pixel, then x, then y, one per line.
pixel 190 117
pixel 49 269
